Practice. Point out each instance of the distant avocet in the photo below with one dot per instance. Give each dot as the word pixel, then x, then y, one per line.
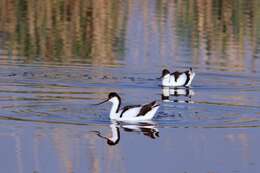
pixel 177 79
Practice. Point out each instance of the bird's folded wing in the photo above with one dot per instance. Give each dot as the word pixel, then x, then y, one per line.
pixel 146 108
pixel 128 110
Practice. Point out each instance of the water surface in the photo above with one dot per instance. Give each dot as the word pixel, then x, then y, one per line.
pixel 58 58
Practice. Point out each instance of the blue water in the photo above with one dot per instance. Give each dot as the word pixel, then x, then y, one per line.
pixel 58 59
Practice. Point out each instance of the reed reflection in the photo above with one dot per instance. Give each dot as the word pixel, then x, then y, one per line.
pixel 180 95
pixel 54 31
pixel 223 34
pixel 147 129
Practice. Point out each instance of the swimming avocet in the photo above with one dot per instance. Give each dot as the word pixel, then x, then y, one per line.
pixel 177 79
pixel 130 113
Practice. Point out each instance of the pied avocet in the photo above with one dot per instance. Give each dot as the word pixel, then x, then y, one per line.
pixel 177 79
pixel 132 112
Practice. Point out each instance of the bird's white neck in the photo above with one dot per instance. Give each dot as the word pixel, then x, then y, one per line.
pixel 192 75
pixel 166 80
pixel 115 107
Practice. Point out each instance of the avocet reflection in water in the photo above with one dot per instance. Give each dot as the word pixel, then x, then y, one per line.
pixel 147 129
pixel 180 95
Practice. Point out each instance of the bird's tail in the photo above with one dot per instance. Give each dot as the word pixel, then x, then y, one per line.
pixel 154 104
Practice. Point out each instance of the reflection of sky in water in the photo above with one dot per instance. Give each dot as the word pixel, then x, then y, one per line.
pixel 151 40
pixel 69 148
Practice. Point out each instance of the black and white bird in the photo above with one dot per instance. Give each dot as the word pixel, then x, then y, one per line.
pixel 177 79
pixel 132 112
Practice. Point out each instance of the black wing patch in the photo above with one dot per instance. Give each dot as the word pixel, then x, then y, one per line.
pixel 188 78
pixel 146 108
pixel 127 108
pixel 176 75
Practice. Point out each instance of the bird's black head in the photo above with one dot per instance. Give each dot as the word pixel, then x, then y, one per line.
pixel 165 72
pixel 112 94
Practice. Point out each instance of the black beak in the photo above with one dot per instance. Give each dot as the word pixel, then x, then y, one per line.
pixel 101 102
pixel 160 77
